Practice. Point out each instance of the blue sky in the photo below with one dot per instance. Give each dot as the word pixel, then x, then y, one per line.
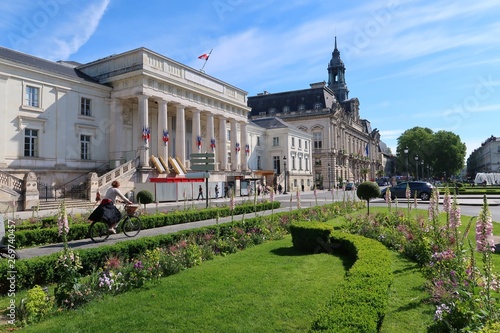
pixel 410 63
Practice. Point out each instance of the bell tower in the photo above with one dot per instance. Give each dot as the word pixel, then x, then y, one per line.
pixel 336 75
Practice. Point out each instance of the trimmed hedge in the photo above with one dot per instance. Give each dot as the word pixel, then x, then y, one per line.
pixel 40 236
pixel 359 302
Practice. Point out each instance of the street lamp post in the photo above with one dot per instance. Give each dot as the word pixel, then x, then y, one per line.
pixel 407 162
pixel 422 163
pixel 329 179
pixel 284 167
pixel 416 167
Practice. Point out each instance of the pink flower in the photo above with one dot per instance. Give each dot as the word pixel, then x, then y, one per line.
pixel 447 202
pixel 484 230
pixel 454 218
pixel 408 192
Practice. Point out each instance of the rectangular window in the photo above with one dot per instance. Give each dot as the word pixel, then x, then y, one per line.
pixel 300 143
pixel 318 140
pixel 259 166
pixel 85 147
pixel 307 163
pixel 85 109
pixel 293 142
pixel 229 157
pixel 229 135
pixel 293 163
pixel 32 96
pixel 300 163
pixel 258 141
pixel 30 142
pixel 276 141
pixel 306 145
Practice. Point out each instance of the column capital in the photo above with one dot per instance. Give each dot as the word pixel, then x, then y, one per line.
pixel 142 96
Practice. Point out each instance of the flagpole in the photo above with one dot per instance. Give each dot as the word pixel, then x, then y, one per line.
pixel 209 53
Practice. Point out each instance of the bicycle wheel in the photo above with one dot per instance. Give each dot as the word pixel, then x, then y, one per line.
pixel 98 231
pixel 131 226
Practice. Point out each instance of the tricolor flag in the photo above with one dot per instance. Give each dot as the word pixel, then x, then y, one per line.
pixel 204 56
pixel 366 150
pixel 165 137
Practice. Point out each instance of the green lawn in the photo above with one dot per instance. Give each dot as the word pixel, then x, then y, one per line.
pixel 267 288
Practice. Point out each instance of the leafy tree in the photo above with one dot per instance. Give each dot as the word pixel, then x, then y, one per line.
pixel 367 191
pixel 419 142
pixel 443 151
pixel 449 153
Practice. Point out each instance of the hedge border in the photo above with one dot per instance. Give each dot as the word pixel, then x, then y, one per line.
pixel 359 302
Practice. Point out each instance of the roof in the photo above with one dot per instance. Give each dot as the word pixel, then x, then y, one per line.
pixel 275 103
pixel 61 68
pixel 270 123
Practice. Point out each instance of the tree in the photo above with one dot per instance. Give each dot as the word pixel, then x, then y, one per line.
pixel 419 142
pixel 450 153
pixel 443 151
pixel 367 191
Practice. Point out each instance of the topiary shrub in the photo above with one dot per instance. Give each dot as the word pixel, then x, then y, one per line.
pixel 367 191
pixel 144 197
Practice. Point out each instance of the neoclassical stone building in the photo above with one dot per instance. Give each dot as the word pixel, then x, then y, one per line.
pixel 344 146
pixel 61 121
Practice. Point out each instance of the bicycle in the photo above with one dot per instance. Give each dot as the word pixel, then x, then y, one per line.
pixel 130 224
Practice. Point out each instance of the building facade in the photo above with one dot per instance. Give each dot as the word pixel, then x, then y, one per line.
pixel 485 159
pixel 344 146
pixel 62 120
pixel 282 155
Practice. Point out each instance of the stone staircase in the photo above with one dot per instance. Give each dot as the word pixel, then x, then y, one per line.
pixel 52 204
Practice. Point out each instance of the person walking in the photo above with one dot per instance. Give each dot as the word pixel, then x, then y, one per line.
pixel 200 193
pixel 216 191
pixel 226 191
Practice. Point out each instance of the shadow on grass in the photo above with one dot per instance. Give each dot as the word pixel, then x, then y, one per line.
pixel 347 261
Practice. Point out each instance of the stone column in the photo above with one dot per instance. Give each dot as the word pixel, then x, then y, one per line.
pixel 210 134
pixel 222 144
pixel 235 156
pixel 196 132
pixel 30 189
pixel 180 133
pixel 162 126
pixel 115 133
pixel 61 126
pixel 144 125
pixel 243 139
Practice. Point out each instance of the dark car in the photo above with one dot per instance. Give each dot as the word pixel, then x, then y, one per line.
pixel 422 190
pixel 349 186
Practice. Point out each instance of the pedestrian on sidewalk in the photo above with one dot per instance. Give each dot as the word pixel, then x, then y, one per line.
pixel 226 191
pixel 216 191
pixel 200 193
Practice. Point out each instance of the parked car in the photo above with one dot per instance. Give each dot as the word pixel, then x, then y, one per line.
pixel 350 186
pixel 422 190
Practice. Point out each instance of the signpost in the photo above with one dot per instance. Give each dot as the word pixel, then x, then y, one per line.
pixel 202 162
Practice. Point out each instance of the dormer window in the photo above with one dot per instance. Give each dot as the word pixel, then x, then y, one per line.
pixel 286 109
pixel 318 106
pixel 302 107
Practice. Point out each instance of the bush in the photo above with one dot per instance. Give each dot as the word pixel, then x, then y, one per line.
pixel 144 197
pixel 367 191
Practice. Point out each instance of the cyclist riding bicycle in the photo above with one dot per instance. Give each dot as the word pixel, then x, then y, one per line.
pixel 107 211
